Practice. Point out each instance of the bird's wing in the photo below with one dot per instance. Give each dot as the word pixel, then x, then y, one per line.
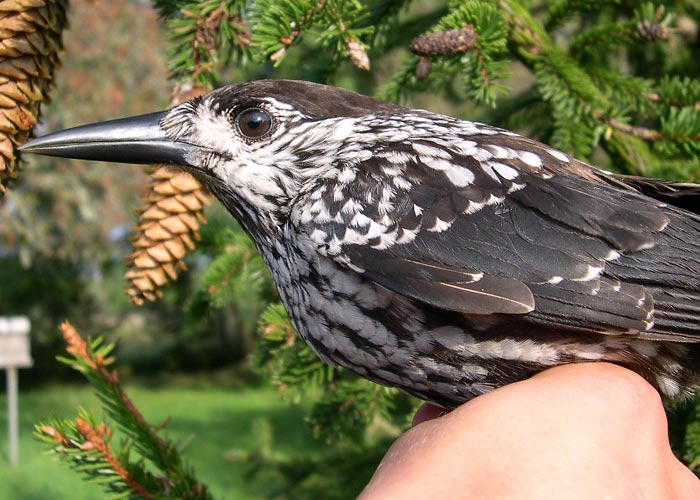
pixel 510 236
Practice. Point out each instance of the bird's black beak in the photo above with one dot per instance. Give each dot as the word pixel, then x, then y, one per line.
pixel 139 139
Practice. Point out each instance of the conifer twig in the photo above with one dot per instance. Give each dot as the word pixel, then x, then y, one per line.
pixel 84 442
pixel 643 133
pixel 95 438
pixel 320 5
pixel 78 347
pixel 298 27
pixel 535 43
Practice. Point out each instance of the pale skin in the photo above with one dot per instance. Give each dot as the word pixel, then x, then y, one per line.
pixel 583 431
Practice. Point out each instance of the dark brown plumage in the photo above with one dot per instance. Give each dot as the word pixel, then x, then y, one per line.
pixel 441 256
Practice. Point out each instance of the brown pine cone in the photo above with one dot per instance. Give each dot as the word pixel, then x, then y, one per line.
pixel 30 39
pixel 445 43
pixel 168 228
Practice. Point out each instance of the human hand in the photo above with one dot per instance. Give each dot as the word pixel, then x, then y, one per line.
pixel 579 431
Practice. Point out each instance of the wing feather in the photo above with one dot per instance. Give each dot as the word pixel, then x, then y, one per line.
pixel 467 291
pixel 563 249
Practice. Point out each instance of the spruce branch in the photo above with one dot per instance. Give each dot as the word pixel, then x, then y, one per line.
pixel 277 25
pixel 677 91
pixel 396 32
pixel 630 154
pixel 205 35
pixel 336 24
pixel 649 24
pixel 84 442
pixel 573 94
pixel 625 91
pixel 305 22
pixel 680 126
pixel 94 438
pixel 350 39
pixel 487 66
pixel 468 43
pixel 408 78
pixel 641 132
pixel 576 84
pixel 561 11
pixel 384 16
pixel 92 359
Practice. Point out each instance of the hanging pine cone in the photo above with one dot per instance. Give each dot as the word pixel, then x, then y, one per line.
pixel 168 225
pixel 30 39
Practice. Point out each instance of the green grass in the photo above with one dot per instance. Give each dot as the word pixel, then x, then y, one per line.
pixel 215 422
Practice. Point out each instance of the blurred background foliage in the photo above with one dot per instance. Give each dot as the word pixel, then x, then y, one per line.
pixel 615 83
pixel 65 226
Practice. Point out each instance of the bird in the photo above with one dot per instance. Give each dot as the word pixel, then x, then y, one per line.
pixel 443 257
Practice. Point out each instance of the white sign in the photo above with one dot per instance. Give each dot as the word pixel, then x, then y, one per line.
pixel 14 342
pixel 14 353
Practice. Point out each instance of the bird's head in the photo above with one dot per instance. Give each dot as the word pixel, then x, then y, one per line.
pixel 255 145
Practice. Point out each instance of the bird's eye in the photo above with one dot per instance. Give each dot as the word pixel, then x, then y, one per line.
pixel 254 123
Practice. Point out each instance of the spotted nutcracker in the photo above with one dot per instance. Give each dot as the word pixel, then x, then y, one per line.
pixel 440 256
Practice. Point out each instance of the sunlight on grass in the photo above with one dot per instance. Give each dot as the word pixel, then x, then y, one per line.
pixel 213 422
